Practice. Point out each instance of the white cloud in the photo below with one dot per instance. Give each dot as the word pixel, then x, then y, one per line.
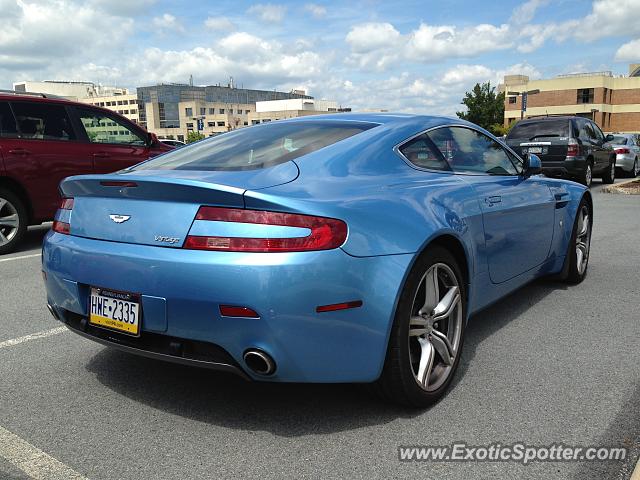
pixel 219 24
pixel 525 12
pixel 372 36
pixel 316 10
pixel 629 52
pixel 462 74
pixel 167 22
pixel 268 12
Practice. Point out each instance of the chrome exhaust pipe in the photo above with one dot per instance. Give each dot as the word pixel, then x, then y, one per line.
pixel 259 362
pixel 53 312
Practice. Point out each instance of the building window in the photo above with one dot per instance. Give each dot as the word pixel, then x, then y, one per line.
pixel 181 138
pixel 203 111
pixel 212 111
pixel 255 122
pixel 222 110
pixel 246 112
pixel 211 124
pixel 190 125
pixel 585 95
pixel 221 124
pixel 246 123
pixel 513 100
pixel 133 112
pixel 188 112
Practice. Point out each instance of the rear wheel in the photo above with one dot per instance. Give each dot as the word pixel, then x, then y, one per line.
pixel 634 169
pixel 426 338
pixel 13 220
pixel 580 244
pixel 587 174
pixel 609 174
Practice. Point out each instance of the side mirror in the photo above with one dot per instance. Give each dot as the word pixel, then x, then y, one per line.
pixel 532 165
pixel 609 138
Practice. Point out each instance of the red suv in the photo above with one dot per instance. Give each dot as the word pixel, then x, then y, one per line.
pixel 43 140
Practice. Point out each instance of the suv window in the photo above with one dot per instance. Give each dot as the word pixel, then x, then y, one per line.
pixel 598 135
pixel 422 153
pixel 8 126
pixel 467 150
pixel 102 128
pixel 257 147
pixel 543 128
pixel 43 121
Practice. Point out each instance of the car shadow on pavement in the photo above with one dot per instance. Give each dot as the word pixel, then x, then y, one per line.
pixel 33 238
pixel 484 324
pixel 288 410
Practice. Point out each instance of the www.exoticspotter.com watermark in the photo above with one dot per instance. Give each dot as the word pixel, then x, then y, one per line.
pixel 516 452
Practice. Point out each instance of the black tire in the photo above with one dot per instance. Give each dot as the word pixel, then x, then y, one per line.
pixel 11 236
pixel 398 383
pixel 609 175
pixel 634 170
pixel 575 273
pixel 586 177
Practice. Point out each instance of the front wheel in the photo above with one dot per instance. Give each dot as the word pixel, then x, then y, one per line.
pixel 609 174
pixel 426 338
pixel 580 244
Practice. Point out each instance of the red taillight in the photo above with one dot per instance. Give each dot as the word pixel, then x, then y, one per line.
pixel 326 233
pixel 622 150
pixel 63 227
pixel 119 184
pixel 339 306
pixel 241 312
pixel 66 204
pixel 572 148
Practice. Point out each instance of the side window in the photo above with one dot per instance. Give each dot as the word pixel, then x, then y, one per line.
pixel 8 128
pixel 42 121
pixel 102 128
pixel 467 150
pixel 422 153
pixel 598 135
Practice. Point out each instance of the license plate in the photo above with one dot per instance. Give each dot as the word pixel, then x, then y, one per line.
pixel 535 149
pixel 115 310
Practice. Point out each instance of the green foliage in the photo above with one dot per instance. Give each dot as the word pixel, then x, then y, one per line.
pixel 484 108
pixel 193 136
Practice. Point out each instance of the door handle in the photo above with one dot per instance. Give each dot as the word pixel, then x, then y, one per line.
pixel 493 200
pixel 19 151
pixel 101 155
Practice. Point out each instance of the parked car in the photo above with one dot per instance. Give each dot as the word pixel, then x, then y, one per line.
pixel 171 142
pixel 569 147
pixel 627 148
pixel 342 248
pixel 43 140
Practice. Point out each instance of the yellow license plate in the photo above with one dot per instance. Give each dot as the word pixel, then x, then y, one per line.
pixel 115 310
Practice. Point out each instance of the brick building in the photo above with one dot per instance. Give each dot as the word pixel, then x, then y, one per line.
pixel 612 101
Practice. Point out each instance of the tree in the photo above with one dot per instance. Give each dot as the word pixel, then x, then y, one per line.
pixel 194 136
pixel 484 107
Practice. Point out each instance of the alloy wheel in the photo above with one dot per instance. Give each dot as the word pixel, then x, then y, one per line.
pixel 588 176
pixel 435 327
pixel 583 239
pixel 634 172
pixel 9 221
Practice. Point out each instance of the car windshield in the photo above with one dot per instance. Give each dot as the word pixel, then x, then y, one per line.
pixel 257 147
pixel 545 128
pixel 618 140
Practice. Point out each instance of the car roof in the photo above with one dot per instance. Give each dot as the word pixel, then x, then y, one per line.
pixel 553 117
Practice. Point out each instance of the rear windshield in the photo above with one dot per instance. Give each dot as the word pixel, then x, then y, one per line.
pixel 542 129
pixel 257 147
pixel 619 140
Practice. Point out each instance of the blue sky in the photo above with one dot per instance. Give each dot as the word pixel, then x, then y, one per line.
pixel 415 56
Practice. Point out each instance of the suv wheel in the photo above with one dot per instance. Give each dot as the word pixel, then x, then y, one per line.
pixel 587 175
pixel 13 221
pixel 609 174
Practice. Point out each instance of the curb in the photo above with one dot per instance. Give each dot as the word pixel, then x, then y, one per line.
pixel 636 473
pixel 615 189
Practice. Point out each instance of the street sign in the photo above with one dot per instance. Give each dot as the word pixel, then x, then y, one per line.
pixel 524 101
pixel 200 124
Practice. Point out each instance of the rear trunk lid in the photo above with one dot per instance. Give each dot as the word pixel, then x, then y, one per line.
pixel 547 138
pixel 158 207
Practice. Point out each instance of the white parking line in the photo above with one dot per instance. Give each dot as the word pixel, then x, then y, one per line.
pixel 33 336
pixel 19 258
pixel 33 461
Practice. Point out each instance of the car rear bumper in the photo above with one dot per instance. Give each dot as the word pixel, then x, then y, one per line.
pixel 625 161
pixel 572 167
pixel 182 290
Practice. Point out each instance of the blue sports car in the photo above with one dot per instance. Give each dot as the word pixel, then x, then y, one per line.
pixel 338 248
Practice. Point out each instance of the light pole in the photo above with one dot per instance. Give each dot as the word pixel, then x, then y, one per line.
pixel 525 96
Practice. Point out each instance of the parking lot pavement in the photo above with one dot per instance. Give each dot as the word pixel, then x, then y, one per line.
pixel 549 364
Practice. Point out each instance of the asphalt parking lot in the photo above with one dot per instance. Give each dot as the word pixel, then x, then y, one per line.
pixel 549 364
